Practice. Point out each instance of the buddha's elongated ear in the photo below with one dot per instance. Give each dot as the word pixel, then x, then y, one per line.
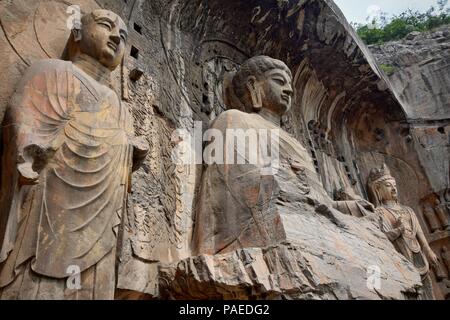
pixel 76 28
pixel 76 32
pixel 255 93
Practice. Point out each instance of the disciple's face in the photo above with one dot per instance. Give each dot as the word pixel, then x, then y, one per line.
pixel 277 91
pixel 387 190
pixel 104 37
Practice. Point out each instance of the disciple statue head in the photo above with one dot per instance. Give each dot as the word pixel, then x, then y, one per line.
pixel 101 35
pixel 264 83
pixel 382 186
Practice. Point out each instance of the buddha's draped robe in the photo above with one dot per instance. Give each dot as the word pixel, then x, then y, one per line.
pixel 239 204
pixel 71 217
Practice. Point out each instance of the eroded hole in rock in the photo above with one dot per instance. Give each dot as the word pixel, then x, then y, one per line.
pixel 137 28
pixel 134 52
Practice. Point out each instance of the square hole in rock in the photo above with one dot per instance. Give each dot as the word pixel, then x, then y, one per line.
pixel 134 52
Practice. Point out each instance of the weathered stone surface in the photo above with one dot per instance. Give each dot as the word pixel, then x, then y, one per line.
pixel 249 199
pixel 293 271
pixel 345 113
pixel 420 72
pixel 419 68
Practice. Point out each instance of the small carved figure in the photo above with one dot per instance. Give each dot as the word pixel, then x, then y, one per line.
pixel 430 215
pixel 445 254
pixel 401 225
pixel 442 214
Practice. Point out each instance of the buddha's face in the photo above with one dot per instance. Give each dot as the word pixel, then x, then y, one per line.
pixel 103 37
pixel 387 190
pixel 276 91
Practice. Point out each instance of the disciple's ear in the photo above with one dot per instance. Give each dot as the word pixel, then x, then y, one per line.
pixel 255 93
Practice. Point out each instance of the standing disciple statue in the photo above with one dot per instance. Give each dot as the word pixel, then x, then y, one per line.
pixel 401 225
pixel 70 152
pixel 266 176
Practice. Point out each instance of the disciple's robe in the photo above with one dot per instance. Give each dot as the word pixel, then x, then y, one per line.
pixel 79 137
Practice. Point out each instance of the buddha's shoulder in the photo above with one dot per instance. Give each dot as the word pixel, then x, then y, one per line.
pixel 49 65
pixel 233 118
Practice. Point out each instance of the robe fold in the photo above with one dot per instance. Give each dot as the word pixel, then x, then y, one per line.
pixel 78 137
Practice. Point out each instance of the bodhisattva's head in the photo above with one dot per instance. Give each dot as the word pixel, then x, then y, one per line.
pixel 382 186
pixel 102 36
pixel 264 83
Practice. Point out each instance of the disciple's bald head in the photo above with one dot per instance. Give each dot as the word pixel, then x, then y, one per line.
pixel 102 36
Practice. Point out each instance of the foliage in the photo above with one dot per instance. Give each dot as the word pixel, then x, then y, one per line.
pixel 384 29
pixel 388 69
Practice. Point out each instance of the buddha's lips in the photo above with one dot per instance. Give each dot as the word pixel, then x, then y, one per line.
pixel 112 45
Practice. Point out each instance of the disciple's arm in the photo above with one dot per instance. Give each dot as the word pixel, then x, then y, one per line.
pixel 37 114
pixel 431 256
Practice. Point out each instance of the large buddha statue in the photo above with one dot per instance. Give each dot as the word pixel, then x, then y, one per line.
pixel 70 152
pixel 401 225
pixel 243 202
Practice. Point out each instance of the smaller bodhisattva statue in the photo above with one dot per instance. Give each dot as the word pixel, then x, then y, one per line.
pixel 401 225
pixel 69 154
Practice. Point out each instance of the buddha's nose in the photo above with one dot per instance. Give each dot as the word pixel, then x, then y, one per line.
pixel 115 38
pixel 288 90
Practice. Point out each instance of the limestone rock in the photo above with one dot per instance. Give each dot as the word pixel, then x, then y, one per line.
pixel 421 74
pixel 329 264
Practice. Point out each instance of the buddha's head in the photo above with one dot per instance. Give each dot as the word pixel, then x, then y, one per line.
pixel 382 186
pixel 264 83
pixel 101 35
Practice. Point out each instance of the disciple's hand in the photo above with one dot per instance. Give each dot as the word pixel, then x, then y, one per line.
pixel 432 258
pixel 27 175
pixel 32 160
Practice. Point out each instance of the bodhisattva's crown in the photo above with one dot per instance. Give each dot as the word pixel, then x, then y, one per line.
pixel 377 174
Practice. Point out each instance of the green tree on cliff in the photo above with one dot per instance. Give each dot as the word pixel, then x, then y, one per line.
pixel 384 29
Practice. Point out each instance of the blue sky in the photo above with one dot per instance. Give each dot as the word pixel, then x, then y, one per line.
pixel 357 10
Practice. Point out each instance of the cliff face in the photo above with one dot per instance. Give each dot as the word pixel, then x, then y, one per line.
pixel 345 111
pixel 419 70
